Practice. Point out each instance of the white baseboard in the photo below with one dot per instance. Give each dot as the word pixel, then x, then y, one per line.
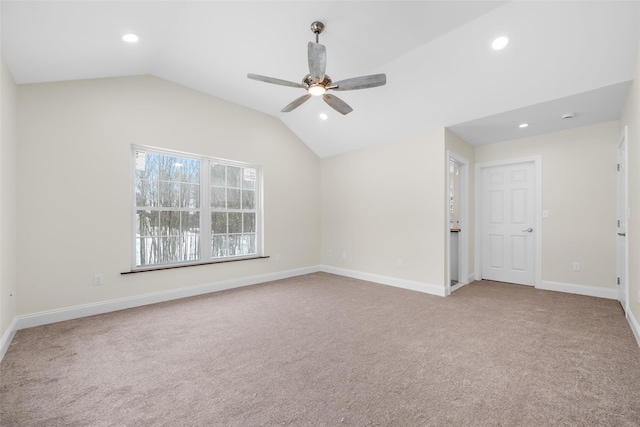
pixel 571 288
pixel 78 311
pixel 635 327
pixel 386 280
pixel 7 337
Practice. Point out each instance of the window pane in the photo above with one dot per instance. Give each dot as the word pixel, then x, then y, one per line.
pixel 146 193
pixel 249 222
pixel 169 250
pixel 146 251
pixel 190 171
pixel 218 176
pixel 150 168
pixel 190 222
pixel 219 222
pixel 190 196
pixel 170 223
pixel 248 199
pixel 235 222
pixel 170 168
pixel 233 198
pixel 190 249
pixel 249 178
pixel 219 246
pixel 146 223
pixel 235 244
pixel 249 244
pixel 218 198
pixel 233 176
pixel 169 194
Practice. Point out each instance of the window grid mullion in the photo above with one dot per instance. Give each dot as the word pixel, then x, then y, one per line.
pixel 205 205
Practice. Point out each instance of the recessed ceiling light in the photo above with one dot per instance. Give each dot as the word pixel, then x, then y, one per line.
pixel 523 125
pixel 323 116
pixel 131 37
pixel 500 43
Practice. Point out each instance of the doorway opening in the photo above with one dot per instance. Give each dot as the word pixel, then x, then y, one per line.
pixel 622 248
pixel 458 222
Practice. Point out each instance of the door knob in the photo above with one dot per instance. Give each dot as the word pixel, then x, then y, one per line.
pixel 528 230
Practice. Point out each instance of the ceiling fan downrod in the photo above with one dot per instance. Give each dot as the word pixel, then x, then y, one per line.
pixel 316 28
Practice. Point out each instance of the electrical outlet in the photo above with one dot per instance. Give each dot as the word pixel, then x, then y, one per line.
pixel 97 280
pixel 576 266
pixel 399 262
pixel 329 253
pixel 278 258
pixel 344 255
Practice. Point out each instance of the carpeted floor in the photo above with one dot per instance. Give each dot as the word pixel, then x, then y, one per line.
pixel 324 350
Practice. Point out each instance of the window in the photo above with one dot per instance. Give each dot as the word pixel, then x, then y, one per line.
pixel 193 209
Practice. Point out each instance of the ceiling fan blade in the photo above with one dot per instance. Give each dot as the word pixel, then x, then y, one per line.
pixel 362 82
pixel 337 104
pixel 296 103
pixel 274 81
pixel 317 61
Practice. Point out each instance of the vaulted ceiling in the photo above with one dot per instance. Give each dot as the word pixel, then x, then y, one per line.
pixel 563 57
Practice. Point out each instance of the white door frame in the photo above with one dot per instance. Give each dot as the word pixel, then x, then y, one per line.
pixel 622 265
pixel 537 165
pixel 463 234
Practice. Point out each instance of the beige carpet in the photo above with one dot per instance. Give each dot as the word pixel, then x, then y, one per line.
pixel 324 350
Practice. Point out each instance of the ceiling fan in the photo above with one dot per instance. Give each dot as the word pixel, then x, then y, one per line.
pixel 317 83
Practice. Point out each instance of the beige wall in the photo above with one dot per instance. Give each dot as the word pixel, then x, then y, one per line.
pixel 8 194
pixel 631 119
pixel 75 185
pixel 385 203
pixel 458 146
pixel 578 190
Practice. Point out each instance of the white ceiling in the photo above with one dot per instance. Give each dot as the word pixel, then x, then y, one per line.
pixel 564 56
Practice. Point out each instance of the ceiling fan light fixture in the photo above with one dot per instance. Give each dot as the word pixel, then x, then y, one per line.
pixel 317 90
pixel 324 116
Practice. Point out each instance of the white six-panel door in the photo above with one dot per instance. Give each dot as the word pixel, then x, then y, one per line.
pixel 508 223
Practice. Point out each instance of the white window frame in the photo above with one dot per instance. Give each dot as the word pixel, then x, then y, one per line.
pixel 205 209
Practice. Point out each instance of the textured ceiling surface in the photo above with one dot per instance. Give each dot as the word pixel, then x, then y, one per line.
pixel 564 56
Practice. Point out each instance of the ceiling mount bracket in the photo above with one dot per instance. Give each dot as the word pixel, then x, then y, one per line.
pixel 316 28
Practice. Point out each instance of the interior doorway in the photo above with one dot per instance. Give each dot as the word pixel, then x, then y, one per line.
pixel 458 222
pixel 622 259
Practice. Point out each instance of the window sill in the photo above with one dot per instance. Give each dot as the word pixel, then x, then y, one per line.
pixel 171 267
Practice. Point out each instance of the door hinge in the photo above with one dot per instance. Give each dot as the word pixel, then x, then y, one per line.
pixel 618 223
pixel 618 280
pixel 618 167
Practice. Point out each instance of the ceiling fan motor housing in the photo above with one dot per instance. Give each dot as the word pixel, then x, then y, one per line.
pixel 308 81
